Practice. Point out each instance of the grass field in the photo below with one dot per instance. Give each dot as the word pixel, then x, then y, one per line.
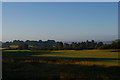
pixel 61 65
pixel 105 58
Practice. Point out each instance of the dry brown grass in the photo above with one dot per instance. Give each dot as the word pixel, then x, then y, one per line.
pixel 85 63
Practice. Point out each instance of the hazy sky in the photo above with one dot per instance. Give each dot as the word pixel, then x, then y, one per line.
pixel 60 21
pixel 0 21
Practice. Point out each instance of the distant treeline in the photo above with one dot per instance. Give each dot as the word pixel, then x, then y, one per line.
pixel 53 45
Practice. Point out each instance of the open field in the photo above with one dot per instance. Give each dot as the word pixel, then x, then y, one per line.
pixel 61 65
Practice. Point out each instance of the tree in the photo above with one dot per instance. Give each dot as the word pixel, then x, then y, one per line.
pixel 100 45
pixel 74 45
pixel 20 47
pixel 23 47
pixel 59 45
pixel 66 46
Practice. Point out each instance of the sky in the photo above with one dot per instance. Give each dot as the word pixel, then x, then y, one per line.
pixel 0 21
pixel 60 0
pixel 60 21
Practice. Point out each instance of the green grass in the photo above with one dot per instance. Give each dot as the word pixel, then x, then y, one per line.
pixel 100 57
pixel 60 65
pixel 82 54
pixel 95 57
pixel 2 48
